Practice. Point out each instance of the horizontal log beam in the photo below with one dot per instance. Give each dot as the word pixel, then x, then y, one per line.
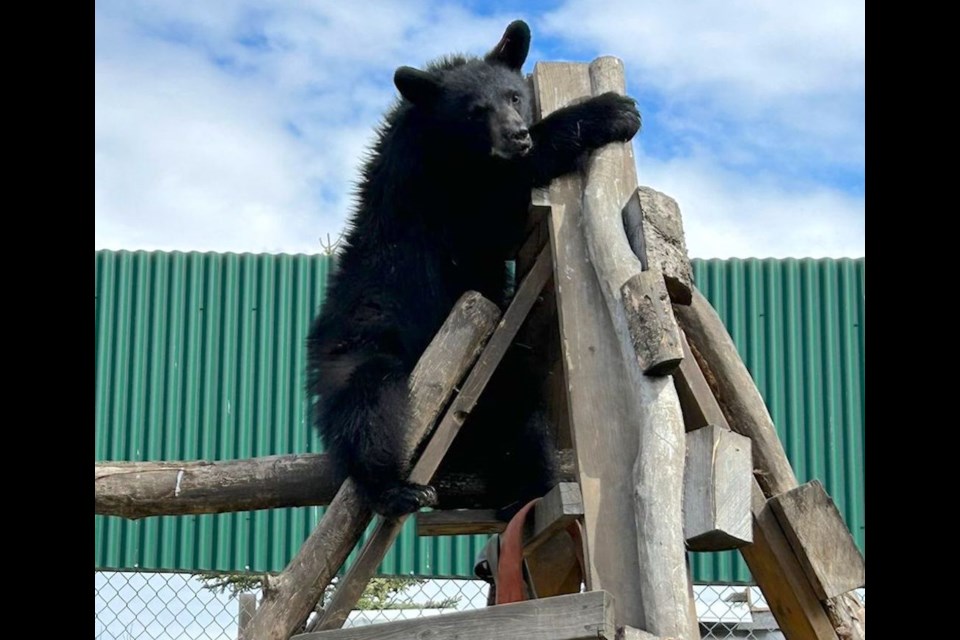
pixel 136 490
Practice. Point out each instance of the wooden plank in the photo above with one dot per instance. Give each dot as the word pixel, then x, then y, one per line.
pixel 778 573
pixel 581 616
pixel 654 229
pixel 736 392
pixel 605 403
pixel 351 587
pixel 700 407
pixel 823 543
pixel 562 505
pixel 459 522
pixel 289 597
pixel 716 490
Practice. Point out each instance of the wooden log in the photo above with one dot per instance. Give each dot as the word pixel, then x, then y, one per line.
pixel 459 522
pixel 658 468
pixel 290 597
pixel 654 229
pixel 350 588
pixel 136 490
pixel 716 490
pixel 823 543
pixel 604 399
pixel 638 302
pixel 772 563
pixel 581 616
pixel 735 390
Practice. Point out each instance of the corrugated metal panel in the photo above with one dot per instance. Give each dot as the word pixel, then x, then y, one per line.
pixel 200 356
pixel 798 325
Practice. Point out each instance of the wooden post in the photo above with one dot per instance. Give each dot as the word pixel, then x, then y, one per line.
pixel 247 606
pixel 609 398
pixel 289 597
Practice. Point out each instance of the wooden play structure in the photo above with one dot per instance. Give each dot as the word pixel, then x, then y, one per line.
pixel 669 445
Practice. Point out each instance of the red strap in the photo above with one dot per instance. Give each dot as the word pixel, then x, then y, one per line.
pixel 509 576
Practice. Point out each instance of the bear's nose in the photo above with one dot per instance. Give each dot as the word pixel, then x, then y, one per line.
pixel 520 135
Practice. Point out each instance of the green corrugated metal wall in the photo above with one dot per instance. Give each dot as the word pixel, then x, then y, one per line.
pixel 201 356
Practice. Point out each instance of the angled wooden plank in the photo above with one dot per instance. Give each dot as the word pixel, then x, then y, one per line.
pixel 772 563
pixel 736 392
pixel 289 597
pixel 820 538
pixel 350 588
pixel 581 616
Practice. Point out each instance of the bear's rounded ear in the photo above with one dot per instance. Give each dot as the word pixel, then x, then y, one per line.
pixel 513 47
pixel 417 86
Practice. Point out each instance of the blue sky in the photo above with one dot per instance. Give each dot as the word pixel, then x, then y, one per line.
pixel 240 126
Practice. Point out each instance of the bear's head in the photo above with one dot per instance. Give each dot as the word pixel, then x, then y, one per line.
pixel 480 106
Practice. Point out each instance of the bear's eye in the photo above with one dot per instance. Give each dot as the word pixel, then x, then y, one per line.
pixel 515 98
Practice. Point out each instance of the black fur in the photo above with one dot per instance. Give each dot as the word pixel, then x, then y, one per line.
pixel 442 201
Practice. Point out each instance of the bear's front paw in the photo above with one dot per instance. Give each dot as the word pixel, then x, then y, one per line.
pixel 618 116
pixel 399 501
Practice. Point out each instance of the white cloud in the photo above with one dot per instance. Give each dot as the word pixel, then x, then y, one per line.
pixel 771 77
pixel 241 126
pixel 726 214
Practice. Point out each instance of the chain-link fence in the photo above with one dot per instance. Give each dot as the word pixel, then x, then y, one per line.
pixel 178 606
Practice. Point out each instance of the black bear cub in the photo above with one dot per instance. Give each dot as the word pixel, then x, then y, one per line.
pixel 442 200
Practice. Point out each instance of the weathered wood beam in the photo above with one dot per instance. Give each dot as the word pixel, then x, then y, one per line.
pixel 820 538
pixel 658 468
pixel 562 505
pixel 637 301
pixel 716 490
pixel 788 592
pixel 350 588
pixel 581 616
pixel 654 230
pixel 700 407
pixel 135 490
pixel 736 392
pixel 289 597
